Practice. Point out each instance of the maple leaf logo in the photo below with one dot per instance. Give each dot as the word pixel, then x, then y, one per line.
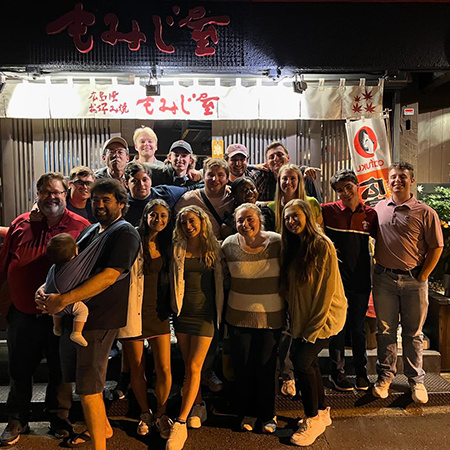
pixel 357 99
pixel 367 96
pixel 370 108
pixel 356 108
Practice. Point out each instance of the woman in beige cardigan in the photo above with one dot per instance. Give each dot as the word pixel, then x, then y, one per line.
pixel 312 286
pixel 197 301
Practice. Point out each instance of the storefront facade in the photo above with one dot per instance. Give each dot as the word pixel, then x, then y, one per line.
pixel 76 73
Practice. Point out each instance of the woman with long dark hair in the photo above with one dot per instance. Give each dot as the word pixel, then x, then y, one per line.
pixel 151 278
pixel 312 286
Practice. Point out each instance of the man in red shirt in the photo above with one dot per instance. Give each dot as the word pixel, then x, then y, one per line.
pixel 24 264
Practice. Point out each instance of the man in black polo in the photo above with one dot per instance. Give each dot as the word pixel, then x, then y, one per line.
pixel 107 289
pixel 349 223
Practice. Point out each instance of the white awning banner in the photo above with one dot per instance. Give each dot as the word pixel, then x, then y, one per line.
pixel 199 102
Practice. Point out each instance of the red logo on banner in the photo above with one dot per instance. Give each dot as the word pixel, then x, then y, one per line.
pixel 366 142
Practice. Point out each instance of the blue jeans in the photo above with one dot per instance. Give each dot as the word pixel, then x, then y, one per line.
pixel 404 296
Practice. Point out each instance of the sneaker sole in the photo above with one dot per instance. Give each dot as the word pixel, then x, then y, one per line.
pixel 305 443
pixel 165 435
pixel 197 423
pixel 380 396
pixel 338 388
pixel 12 442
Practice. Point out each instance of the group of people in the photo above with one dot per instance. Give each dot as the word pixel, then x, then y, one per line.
pixel 248 249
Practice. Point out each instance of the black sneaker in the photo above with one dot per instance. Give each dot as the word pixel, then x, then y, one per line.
pixel 340 382
pixel 11 434
pixel 60 428
pixel 362 383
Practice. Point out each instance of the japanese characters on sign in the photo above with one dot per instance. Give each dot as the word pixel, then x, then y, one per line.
pixel 371 157
pixel 203 29
pixel 208 103
pixel 175 103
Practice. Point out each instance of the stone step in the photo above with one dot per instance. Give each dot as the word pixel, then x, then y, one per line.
pixel 349 404
pixel 431 361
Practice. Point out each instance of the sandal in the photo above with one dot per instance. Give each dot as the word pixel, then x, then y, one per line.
pixel 85 438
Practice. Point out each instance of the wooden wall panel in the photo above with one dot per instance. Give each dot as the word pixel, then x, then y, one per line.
pixel 433 147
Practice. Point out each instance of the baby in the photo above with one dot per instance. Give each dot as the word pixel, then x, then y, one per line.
pixel 61 249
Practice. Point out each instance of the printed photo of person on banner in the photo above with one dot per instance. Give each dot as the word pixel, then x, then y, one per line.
pixel 371 156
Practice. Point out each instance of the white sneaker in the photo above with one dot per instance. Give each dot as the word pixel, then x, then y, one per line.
pixel 419 392
pixel 163 426
pixel 310 429
pixel 325 416
pixel 178 436
pixel 248 423
pixel 197 416
pixel 288 388
pixel 381 388
pixel 145 423
pixel 211 381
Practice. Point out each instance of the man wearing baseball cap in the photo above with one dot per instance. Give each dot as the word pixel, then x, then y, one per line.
pixel 179 170
pixel 236 156
pixel 115 155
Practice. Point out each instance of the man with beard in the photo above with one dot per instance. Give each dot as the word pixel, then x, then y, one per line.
pixel 107 289
pixel 24 264
pixel 236 156
pixel 115 155
pixel 265 175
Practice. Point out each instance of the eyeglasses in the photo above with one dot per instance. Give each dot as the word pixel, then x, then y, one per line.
pixel 46 194
pixel 112 152
pixel 82 183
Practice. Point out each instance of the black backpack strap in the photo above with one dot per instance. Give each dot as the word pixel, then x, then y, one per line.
pixel 211 207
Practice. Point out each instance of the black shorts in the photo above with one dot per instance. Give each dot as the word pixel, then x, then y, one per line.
pixel 86 365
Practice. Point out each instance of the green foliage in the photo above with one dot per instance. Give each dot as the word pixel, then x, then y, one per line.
pixel 440 202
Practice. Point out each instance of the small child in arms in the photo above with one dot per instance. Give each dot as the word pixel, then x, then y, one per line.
pixel 61 249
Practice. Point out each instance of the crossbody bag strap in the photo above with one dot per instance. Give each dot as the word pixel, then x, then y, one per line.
pixel 211 207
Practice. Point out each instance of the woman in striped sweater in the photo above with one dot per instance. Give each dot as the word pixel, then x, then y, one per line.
pixel 255 315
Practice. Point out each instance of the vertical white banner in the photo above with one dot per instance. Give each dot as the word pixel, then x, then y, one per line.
pixel 371 157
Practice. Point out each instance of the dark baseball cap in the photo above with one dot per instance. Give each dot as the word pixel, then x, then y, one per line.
pixel 181 145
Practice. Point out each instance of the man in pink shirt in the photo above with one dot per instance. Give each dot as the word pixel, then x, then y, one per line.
pixel 408 246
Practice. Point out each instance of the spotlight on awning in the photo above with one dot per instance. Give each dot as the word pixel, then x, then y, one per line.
pixel 2 83
pixel 300 86
pixel 152 88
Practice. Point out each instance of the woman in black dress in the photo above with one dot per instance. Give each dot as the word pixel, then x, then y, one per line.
pixel 152 265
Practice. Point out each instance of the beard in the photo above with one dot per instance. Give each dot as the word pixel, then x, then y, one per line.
pixel 52 208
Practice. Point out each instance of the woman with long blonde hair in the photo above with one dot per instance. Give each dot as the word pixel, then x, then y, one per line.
pixel 197 301
pixel 311 284
pixel 290 185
